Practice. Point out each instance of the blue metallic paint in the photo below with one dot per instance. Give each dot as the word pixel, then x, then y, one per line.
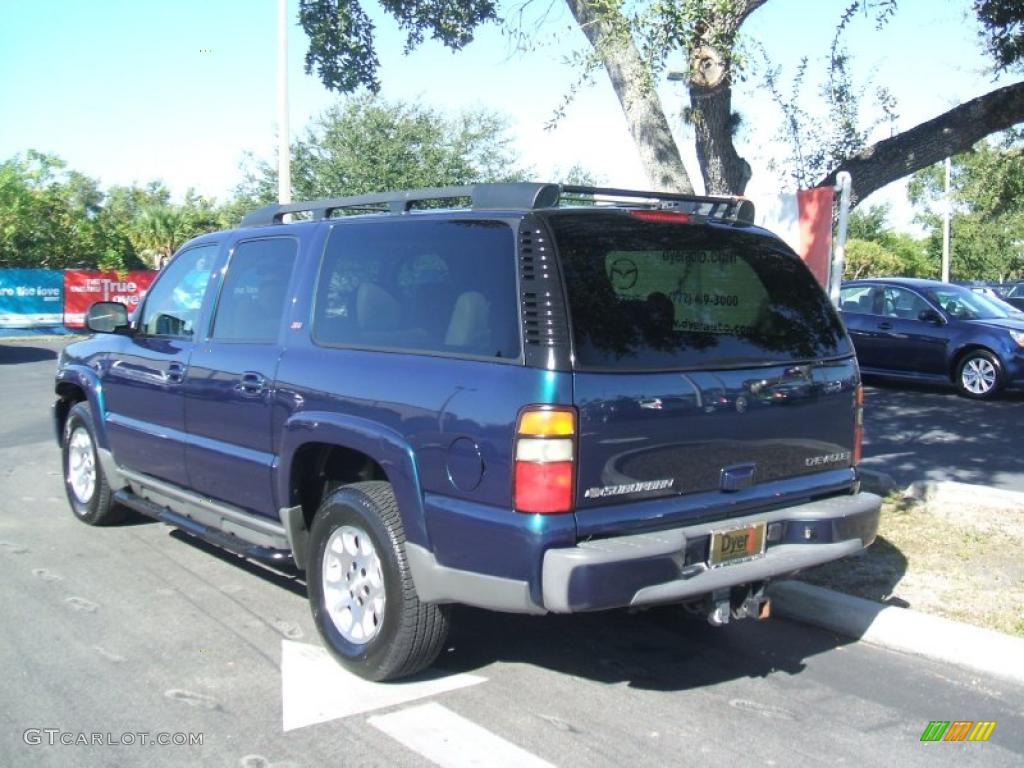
pixel 928 351
pixel 406 410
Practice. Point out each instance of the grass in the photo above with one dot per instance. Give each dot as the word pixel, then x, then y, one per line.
pixel 956 560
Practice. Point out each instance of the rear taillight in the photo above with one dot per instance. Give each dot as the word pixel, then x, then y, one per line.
pixel 858 423
pixel 545 455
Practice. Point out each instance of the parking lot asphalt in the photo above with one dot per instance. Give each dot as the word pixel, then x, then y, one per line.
pixel 140 629
pixel 916 433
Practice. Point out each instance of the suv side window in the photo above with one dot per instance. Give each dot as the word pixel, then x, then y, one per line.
pixel 444 287
pixel 253 296
pixel 172 304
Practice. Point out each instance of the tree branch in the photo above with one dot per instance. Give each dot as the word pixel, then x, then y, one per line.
pixel 608 33
pixel 949 134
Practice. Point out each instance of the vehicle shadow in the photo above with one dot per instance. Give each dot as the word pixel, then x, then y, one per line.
pixel 12 354
pixel 872 574
pixel 913 432
pixel 662 649
pixel 285 576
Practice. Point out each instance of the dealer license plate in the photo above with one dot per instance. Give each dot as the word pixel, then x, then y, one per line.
pixel 735 544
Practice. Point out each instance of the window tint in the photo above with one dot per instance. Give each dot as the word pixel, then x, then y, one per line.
pixel 964 304
pixel 172 304
pixel 255 289
pixel 653 295
pixel 430 286
pixel 902 303
pixel 858 299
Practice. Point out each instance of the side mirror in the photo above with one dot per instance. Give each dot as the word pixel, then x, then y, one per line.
pixel 930 316
pixel 106 317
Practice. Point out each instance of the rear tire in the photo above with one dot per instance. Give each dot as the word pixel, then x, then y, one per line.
pixel 979 375
pixel 87 489
pixel 361 591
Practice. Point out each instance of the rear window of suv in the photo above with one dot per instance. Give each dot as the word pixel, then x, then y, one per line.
pixel 653 295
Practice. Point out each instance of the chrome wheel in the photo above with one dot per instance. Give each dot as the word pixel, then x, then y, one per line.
pixel 81 465
pixel 978 376
pixel 353 584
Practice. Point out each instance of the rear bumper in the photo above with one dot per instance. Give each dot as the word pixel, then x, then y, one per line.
pixel 650 568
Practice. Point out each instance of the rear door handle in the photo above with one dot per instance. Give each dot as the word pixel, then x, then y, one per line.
pixel 885 326
pixel 175 373
pixel 252 383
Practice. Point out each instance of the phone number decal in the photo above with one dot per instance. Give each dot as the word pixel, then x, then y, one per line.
pixel 706 299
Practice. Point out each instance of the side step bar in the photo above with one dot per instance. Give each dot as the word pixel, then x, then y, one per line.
pixel 207 533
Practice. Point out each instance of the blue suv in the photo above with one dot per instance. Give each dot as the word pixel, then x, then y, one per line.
pixel 540 399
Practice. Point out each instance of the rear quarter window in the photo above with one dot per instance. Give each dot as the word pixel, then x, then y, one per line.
pixel 443 287
pixel 654 295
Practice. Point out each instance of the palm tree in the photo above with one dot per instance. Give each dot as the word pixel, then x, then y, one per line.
pixel 158 231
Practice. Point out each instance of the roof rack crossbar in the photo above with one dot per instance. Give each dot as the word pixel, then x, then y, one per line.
pixel 711 206
pixel 504 196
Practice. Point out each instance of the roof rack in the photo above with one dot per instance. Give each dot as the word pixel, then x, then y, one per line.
pixel 737 209
pixel 508 196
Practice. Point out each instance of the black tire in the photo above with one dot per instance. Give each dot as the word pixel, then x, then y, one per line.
pixel 92 505
pixel 409 634
pixel 979 375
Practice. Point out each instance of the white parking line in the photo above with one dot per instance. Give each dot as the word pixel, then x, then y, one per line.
pixel 315 688
pixel 451 741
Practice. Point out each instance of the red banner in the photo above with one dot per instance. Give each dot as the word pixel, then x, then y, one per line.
pixel 816 230
pixel 83 288
pixel 804 221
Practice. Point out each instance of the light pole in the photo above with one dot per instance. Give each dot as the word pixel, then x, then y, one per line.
pixel 945 224
pixel 284 173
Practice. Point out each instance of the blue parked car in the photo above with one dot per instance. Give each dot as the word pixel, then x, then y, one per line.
pixel 1014 295
pixel 522 404
pixel 931 331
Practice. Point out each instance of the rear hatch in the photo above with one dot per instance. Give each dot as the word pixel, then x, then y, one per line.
pixel 708 364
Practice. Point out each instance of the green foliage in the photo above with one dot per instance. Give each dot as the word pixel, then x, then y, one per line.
pixel 49 214
pixel 1003 31
pixel 57 218
pixel 869 223
pixel 875 250
pixel 865 258
pixel 341 41
pixel 365 144
pixel 579 176
pixel 987 223
pixel 820 137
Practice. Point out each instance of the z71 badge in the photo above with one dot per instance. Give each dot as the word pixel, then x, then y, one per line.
pixel 600 492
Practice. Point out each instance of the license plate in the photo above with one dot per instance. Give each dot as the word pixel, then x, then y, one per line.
pixel 735 544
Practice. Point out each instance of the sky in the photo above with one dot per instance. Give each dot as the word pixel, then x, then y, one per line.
pixel 127 91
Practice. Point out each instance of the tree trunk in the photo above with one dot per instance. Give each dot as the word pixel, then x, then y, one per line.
pixel 948 134
pixel 640 103
pixel 710 85
pixel 724 171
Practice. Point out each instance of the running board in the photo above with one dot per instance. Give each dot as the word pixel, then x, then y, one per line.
pixel 207 533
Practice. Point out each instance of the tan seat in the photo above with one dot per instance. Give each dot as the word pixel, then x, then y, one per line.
pixel 469 328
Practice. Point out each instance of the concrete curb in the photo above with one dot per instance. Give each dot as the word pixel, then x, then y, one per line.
pixel 901 629
pixel 949 492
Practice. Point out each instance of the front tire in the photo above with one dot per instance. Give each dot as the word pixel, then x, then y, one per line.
pixel 87 489
pixel 361 591
pixel 979 375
